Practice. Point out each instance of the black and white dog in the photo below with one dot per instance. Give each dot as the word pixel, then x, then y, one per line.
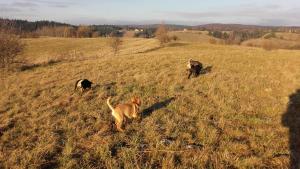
pixel 83 84
pixel 194 67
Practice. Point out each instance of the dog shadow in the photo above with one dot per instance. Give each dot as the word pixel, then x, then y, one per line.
pixel 176 44
pixel 108 86
pixel 159 105
pixel 291 119
pixel 206 70
pixel 151 50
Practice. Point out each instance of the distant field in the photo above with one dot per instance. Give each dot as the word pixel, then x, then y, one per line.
pixel 280 41
pixel 229 117
pixel 192 36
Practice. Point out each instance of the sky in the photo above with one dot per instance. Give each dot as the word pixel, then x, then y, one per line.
pixel 185 12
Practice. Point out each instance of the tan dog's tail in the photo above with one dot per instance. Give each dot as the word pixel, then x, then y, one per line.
pixel 109 105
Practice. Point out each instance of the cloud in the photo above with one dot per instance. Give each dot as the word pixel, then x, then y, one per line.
pixel 40 3
pixel 5 8
pixel 31 9
pixel 23 4
pixel 271 14
pixel 55 4
pixel 267 12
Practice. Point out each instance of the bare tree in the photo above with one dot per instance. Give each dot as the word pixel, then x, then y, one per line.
pixel 162 34
pixel 115 43
pixel 69 31
pixel 84 31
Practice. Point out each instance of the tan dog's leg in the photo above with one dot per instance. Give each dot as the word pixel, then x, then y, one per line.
pixel 119 126
pixel 118 121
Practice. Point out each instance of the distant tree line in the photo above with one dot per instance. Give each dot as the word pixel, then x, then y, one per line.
pixel 55 29
pixel 108 30
pixel 27 29
pixel 236 37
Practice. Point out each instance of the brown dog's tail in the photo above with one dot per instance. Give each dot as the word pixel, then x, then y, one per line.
pixel 109 105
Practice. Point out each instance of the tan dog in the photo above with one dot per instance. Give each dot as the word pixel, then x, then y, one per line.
pixel 123 111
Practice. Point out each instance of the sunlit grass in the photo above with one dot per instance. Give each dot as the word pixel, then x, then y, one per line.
pixel 234 112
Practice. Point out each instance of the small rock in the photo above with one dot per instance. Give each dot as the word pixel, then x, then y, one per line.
pixel 166 141
pixel 194 146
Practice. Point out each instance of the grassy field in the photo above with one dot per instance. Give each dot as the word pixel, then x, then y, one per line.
pixel 193 36
pixel 280 41
pixel 229 117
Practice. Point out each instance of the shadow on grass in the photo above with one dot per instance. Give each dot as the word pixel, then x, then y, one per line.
pixel 151 50
pixel 291 119
pixel 115 147
pixel 159 105
pixel 106 86
pixel 176 44
pixel 206 70
pixel 160 47
pixel 33 66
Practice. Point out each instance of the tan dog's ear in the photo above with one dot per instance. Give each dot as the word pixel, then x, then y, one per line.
pixel 136 100
pixel 133 99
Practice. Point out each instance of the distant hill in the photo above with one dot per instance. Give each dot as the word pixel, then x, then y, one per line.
pixel 221 27
pixel 170 26
pixel 29 26
pixel 240 27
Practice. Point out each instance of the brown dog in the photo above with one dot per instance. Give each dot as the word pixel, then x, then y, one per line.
pixel 123 111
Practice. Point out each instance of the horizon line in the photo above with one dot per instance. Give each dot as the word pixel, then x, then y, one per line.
pixel 153 23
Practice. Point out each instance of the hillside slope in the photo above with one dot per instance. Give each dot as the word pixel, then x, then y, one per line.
pixel 229 117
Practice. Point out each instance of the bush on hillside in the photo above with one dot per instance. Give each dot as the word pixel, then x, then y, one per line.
pixel 115 43
pixel 212 41
pixel 268 45
pixel 146 33
pixel 84 32
pixel 11 46
pixel 270 35
pixel 174 38
pixel 162 34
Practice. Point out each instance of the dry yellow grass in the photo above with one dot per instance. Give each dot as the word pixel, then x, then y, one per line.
pixel 281 41
pixel 288 36
pixel 194 36
pixel 234 111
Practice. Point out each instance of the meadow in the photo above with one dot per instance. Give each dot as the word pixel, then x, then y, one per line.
pixel 229 117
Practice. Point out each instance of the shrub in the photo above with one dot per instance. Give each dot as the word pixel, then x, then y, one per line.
pixel 268 45
pixel 146 33
pixel 270 35
pixel 162 34
pixel 212 41
pixel 11 46
pixel 174 38
pixel 115 43
pixel 295 47
pixel 84 32
pixel 95 34
pixel 250 44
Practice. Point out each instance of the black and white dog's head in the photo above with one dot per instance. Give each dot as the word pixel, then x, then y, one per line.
pixel 83 84
pixel 194 63
pixel 194 67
